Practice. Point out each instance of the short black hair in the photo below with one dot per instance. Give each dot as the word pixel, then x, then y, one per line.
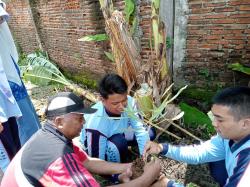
pixel 237 99
pixel 112 84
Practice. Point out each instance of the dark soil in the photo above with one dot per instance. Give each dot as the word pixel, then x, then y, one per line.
pixel 137 168
pixel 178 171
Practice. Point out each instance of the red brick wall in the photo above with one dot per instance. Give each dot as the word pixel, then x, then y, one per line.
pixel 218 34
pixel 21 25
pixel 59 24
pixel 62 24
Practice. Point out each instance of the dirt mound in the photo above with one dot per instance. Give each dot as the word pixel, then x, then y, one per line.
pixel 181 172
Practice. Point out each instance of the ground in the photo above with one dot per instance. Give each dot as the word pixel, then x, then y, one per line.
pixel 197 175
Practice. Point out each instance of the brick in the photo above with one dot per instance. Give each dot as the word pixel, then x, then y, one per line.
pixel 244 7
pixel 197 32
pixel 208 46
pixel 223 21
pixel 239 2
pixel 242 15
pixel 243 20
pixel 212 37
pixel 216 16
pixel 202 10
pixel 225 9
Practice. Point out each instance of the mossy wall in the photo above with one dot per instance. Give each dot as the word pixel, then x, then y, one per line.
pixel 83 78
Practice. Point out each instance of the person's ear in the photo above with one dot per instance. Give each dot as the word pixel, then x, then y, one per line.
pixel 58 122
pixel 102 99
pixel 246 123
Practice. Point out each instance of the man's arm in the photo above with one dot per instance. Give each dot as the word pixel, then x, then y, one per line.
pixel 209 151
pixel 151 171
pixel 98 166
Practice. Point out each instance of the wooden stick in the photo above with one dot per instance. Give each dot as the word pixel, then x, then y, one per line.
pixel 170 133
pixel 184 130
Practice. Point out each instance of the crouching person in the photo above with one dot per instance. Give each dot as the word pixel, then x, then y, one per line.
pixel 50 158
pixel 231 145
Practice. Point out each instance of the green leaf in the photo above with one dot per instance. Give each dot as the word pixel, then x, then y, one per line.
pixel 132 112
pixel 94 38
pixel 239 67
pixel 169 42
pixel 134 26
pixel 156 4
pixel 129 9
pixel 109 56
pixel 158 111
pixel 38 71
pixel 194 117
pixel 192 185
pixel 38 60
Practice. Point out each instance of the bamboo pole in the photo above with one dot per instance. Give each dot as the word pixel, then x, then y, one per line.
pixel 80 91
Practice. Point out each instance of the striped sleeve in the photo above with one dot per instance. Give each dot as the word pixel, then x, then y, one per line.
pixel 245 179
pixel 241 172
pixel 96 143
pixel 68 171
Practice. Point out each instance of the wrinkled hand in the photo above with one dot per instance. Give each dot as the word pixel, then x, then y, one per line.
pixel 152 148
pixel 161 182
pixel 152 169
pixel 1 127
pixel 126 175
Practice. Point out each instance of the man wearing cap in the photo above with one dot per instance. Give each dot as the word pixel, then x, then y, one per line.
pixel 50 158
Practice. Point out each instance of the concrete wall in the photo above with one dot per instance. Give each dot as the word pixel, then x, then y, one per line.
pixel 180 38
pixel 167 12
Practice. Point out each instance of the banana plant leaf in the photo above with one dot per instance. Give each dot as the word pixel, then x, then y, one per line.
pixel 35 59
pixel 239 67
pixel 129 9
pixel 39 70
pixel 110 56
pixel 194 117
pixel 158 112
pixel 94 38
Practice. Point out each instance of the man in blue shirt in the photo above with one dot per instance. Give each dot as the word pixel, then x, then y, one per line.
pixel 108 131
pixel 231 111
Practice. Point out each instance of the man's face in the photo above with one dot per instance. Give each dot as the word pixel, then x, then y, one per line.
pixel 115 103
pixel 226 125
pixel 71 125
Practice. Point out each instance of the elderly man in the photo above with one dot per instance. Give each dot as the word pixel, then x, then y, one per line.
pixel 50 158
